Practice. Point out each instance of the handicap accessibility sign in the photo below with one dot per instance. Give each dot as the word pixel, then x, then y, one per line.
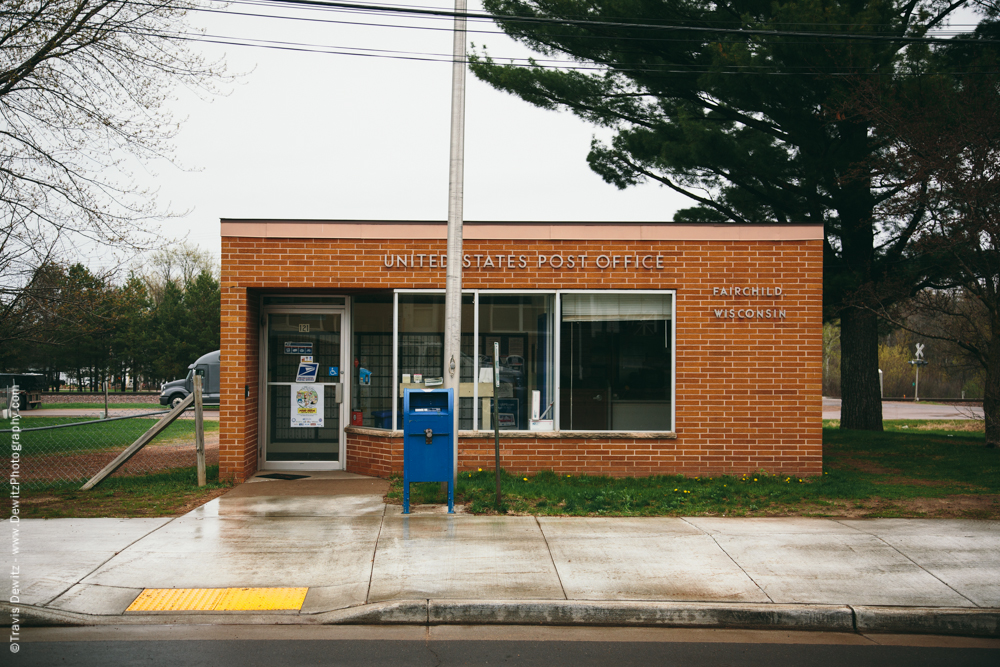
pixel 307 371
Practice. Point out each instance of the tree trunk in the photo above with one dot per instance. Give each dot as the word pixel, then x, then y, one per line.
pixel 991 393
pixel 861 399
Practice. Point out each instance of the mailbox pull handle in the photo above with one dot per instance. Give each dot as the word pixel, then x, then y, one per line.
pixel 428 433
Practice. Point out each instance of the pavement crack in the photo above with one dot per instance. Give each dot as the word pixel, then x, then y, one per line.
pixel 918 565
pixel 551 558
pixel 106 561
pixel 854 617
pixel 427 645
pixel 371 572
pixel 730 557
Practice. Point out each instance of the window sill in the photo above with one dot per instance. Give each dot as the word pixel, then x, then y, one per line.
pixel 541 435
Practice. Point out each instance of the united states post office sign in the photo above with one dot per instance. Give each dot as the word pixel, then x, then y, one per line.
pixel 558 261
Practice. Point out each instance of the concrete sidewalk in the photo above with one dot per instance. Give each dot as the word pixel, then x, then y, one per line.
pixel 364 562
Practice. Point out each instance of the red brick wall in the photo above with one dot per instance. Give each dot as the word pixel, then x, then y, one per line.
pixel 748 391
pixel 237 414
pixel 380 456
pixel 374 455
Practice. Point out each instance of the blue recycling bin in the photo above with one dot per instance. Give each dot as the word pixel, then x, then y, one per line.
pixel 428 440
pixel 382 418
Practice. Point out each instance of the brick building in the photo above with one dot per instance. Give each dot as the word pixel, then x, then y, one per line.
pixel 653 348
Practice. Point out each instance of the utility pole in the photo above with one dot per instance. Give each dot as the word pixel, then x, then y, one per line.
pixel 456 173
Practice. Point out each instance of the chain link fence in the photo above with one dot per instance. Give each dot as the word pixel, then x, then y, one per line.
pixel 60 450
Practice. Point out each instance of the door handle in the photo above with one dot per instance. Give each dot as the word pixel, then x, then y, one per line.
pixel 428 434
pixel 338 393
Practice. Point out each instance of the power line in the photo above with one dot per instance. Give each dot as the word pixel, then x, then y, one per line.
pixel 444 28
pixel 389 8
pixel 336 22
pixel 552 64
pixel 482 16
pixel 629 68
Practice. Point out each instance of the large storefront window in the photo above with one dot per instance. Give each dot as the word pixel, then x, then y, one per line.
pixel 522 326
pixel 614 365
pixel 421 348
pixel 616 362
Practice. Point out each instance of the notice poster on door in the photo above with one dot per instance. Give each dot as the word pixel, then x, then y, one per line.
pixel 307 406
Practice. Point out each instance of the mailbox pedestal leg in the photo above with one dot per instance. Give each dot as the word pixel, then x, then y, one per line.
pixel 406 496
pixel 451 497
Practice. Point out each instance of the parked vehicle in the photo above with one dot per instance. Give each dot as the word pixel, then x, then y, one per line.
pixel 29 388
pixel 207 366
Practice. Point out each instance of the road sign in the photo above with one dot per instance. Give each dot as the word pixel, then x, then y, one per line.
pixel 920 351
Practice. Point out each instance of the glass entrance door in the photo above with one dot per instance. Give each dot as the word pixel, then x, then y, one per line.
pixel 304 394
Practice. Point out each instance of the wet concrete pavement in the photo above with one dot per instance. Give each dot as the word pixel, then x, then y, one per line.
pixel 353 552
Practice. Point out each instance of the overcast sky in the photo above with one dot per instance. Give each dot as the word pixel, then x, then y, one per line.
pixel 318 136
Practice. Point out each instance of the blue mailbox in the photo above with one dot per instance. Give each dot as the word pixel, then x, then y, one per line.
pixel 428 440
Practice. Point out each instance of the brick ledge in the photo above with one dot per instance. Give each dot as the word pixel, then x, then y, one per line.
pixel 551 435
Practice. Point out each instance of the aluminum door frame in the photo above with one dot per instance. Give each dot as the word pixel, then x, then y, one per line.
pixel 345 405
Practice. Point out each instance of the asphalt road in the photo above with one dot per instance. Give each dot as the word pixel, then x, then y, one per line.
pixel 900 410
pixel 97 411
pixel 444 645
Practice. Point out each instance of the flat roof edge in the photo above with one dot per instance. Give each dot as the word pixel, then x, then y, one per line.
pixel 515 231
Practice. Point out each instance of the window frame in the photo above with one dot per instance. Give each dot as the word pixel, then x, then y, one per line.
pixel 673 355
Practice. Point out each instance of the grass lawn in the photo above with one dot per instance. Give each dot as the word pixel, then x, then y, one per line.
pixel 913 469
pixel 97 434
pixel 94 394
pixel 163 494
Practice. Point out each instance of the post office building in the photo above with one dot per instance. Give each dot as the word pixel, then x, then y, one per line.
pixel 624 348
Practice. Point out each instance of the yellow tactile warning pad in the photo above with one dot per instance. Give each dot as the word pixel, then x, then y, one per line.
pixel 219 599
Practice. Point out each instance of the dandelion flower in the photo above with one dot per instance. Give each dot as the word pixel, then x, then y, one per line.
pixel 525 479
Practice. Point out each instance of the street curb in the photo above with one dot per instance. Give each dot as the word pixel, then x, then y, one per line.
pixel 928 621
pixel 835 618
pixel 761 616
pixel 396 612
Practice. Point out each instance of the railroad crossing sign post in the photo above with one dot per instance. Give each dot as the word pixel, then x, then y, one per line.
pixel 917 363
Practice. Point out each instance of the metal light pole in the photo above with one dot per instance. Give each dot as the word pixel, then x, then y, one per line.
pixel 456 173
